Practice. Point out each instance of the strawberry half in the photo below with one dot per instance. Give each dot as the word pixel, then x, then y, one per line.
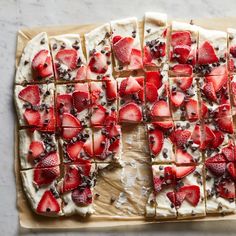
pixel 182 171
pixel 48 204
pixel 156 140
pixel 183 82
pixel 73 150
pixel 226 189
pixel 206 54
pixel 50 160
pixel 68 57
pixel 183 157
pixel 160 109
pixel 69 120
pixel 130 112
pixel 177 98
pixel 122 49
pixel 82 197
pixel 151 92
pixel 98 63
pixel 72 179
pixel 35 149
pixel 30 94
pixel 181 38
pixel 192 193
pixel 32 117
pixel 154 77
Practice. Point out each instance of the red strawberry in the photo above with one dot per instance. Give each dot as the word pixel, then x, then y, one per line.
pixel 226 189
pixel 122 49
pixel 224 110
pixel 160 109
pixel 181 38
pixel 116 39
pixel 35 149
pixel 204 110
pixel 30 94
pixel 113 131
pixel 129 86
pixel 157 184
pixel 231 168
pixel 82 87
pixel 96 90
pixel 70 121
pixel 177 98
pixel 111 90
pixel 100 145
pixel 183 157
pixel 130 112
pixel 160 51
pixel 72 179
pixel 196 134
pixel 98 63
pixel 218 158
pixel 64 101
pixel 233 87
pixel 48 120
pixel 217 81
pixel 209 91
pixel 114 147
pixel 182 69
pixel 147 57
pixel 182 171
pixel 88 148
pixel 231 64
pixel 48 204
pixel 216 168
pixel 32 117
pixel 183 82
pixel 206 54
pixel 176 198
pixel 73 150
pixel 81 100
pixel 82 197
pixel 229 152
pixel 181 137
pixel 50 160
pixel 68 57
pixel 136 59
pixel 183 52
pixel 98 115
pixel 225 124
pixel 208 137
pixel 232 51
pixel 169 175
pixel 219 70
pixel 156 140
pixel 151 92
pixel 192 109
pixel 154 77
pixel 69 133
pixel 81 74
pixel 164 124
pixel 192 193
pixel 46 176
pixel 219 138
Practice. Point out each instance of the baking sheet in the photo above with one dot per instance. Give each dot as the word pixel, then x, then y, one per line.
pixel 131 189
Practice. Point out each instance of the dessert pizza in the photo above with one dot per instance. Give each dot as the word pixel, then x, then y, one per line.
pixel 82 101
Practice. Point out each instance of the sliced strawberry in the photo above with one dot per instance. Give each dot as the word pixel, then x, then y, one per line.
pixel 96 91
pixel 164 124
pixel 35 149
pixel 206 54
pixel 231 168
pixel 100 145
pixel 209 91
pixel 50 160
pixel 48 121
pixel 217 81
pixel 130 112
pixel 111 90
pixel 196 134
pixel 183 157
pixel 81 100
pixel 182 69
pixel 181 38
pixel 70 121
pixel 226 189
pixel 69 133
pixel 88 147
pixel 183 52
pixel 156 141
pixel 169 175
pixel 122 49
pixel 208 137
pixel 216 168
pixel 182 171
pixel 157 184
pixel 182 137
pixel 83 87
pixel 136 59
pixel 68 57
pixel 229 152
pixel 98 115
pixel 32 117
pixel 81 74
pixel 218 158
pixel 192 109
pixel 129 86
pixel 113 131
pixel 64 101
pixel 82 197
pixel 219 70
pixel 177 98
pixel 233 87
pixel 73 150
pixel 151 92
pixel 72 179
pixel 183 82
pixel 204 110
pixel 231 64
pixel 160 109
pixel 48 204
pixel 224 110
pixel 225 124
pixel 98 63
pixel 154 77
pixel 176 198
pixel 147 57
pixel 114 147
pixel 232 51
pixel 30 94
pixel 46 176
pixel 192 193
pixel 218 140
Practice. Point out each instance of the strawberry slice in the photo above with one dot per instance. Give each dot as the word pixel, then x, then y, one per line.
pixel 196 134
pixel 111 90
pixel 192 193
pixel 81 100
pixel 225 124
pixel 217 81
pixel 192 109
pixel 30 94
pixel 154 77
pixel 88 147
pixel 209 91
pixel 224 110
pixel 182 171
pixel 98 116
pixel 160 109
pixel 177 98
pixel 156 141
pixel 183 52
pixel 114 147
pixel 46 176
pixel 204 110
pixel 169 175
pixel 181 38
pixel 50 160
pixel 98 63
pixel 231 168
pixel 226 189
pixel 218 140
pixel 48 204
pixel 233 87
pixel 70 121
pixel 151 92
pixel 130 112
pixel 157 184
pixel 64 101
pixel 229 152
pixel 122 49
pixel 183 157
pixel 73 150
pixel 208 137
pixel 216 168
pixel 96 91
pixel 147 57
pixel 35 149
pixel 81 74
pixel 218 158
pixel 176 198
pixel 232 51
pixel 48 120
pixel 68 57
pixel 164 124
pixel 136 59
pixel 206 54
pixel 219 70
pixel 183 82
pixel 69 133
pixel 129 86
pixel 181 137
pixel 72 179
pixel 32 117
pixel 82 197
pixel 100 145
pixel 182 69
